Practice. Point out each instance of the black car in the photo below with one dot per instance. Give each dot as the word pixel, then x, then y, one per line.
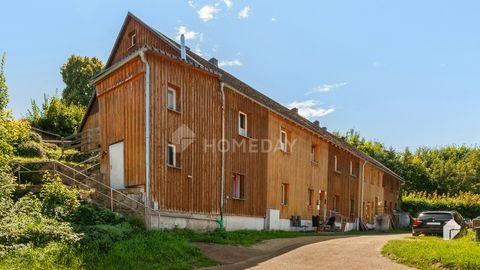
pixel 431 222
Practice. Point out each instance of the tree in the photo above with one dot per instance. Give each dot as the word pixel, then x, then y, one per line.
pixel 4 98
pixel 55 115
pixel 77 74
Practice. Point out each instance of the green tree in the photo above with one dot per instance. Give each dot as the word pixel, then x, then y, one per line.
pixel 4 97
pixel 77 74
pixel 55 115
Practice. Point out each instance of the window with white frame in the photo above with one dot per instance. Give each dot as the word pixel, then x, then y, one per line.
pixel 283 140
pixel 242 124
pixel 238 186
pixel 335 203
pixel 172 99
pixel 284 198
pixel 171 155
pixel 133 39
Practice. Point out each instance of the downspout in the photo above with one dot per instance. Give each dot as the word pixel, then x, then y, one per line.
pixel 147 134
pixel 363 190
pixel 222 185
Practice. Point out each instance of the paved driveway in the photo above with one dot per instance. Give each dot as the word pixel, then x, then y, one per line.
pixel 362 252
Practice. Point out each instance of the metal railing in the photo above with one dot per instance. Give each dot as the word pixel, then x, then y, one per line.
pixel 56 168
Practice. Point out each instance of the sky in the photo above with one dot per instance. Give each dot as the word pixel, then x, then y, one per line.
pixel 405 73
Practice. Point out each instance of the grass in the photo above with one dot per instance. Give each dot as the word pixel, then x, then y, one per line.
pixel 122 247
pixel 240 237
pixel 429 252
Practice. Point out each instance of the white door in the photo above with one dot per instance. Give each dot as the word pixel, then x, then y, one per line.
pixel 115 152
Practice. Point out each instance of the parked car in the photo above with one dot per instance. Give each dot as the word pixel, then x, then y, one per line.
pixel 431 222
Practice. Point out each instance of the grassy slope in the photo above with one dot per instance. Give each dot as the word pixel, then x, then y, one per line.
pixel 142 250
pixel 429 252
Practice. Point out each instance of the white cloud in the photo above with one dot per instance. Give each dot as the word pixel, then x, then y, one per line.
pixel 191 4
pixel 235 62
pixel 207 12
pixel 228 3
pixel 273 19
pixel 244 13
pixel 326 87
pixel 182 29
pixel 309 108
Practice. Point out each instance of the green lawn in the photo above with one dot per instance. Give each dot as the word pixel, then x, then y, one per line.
pixel 430 252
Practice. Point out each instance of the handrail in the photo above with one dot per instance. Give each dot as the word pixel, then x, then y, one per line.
pixel 113 191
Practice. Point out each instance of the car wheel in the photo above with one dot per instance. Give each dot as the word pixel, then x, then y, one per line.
pixel 415 234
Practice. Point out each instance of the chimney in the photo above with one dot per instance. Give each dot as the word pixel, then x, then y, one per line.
pixel 324 128
pixel 316 123
pixel 214 61
pixel 183 50
pixel 295 110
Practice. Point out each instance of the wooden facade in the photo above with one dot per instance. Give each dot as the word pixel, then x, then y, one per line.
pixel 305 173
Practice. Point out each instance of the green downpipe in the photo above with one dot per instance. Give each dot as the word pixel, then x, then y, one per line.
pixel 221 225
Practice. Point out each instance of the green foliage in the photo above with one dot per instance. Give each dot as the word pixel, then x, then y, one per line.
pixel 429 252
pixel 467 204
pixel 91 214
pixel 238 238
pixel 77 157
pixel 450 169
pixel 58 201
pixel 56 116
pixel 12 133
pixel 4 97
pixel 77 74
pixel 151 250
pixel 30 149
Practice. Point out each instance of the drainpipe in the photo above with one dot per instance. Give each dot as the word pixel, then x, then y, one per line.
pixel 222 188
pixel 362 193
pixel 147 134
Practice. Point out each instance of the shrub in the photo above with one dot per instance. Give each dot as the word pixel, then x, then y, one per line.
pixel 467 204
pixel 91 214
pixel 30 149
pixel 34 136
pixel 77 157
pixel 58 201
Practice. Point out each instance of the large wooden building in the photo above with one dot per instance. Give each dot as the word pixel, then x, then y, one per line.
pixel 205 146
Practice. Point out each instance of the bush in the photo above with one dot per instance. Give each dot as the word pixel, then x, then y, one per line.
pixel 91 214
pixel 34 136
pixel 77 157
pixel 30 149
pixel 58 201
pixel 467 204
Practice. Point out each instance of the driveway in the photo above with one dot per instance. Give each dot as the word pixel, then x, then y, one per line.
pixel 362 252
pixel 315 252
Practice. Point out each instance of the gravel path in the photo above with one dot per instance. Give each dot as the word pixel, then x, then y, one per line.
pixel 362 252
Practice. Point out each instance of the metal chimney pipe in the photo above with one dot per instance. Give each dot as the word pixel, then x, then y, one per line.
pixel 183 50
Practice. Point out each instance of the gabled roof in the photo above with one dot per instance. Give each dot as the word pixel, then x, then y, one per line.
pixel 258 97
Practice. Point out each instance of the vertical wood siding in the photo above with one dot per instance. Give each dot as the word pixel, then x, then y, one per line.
pixel 121 113
pixel 296 169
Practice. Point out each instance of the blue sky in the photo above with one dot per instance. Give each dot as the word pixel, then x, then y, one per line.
pixel 402 72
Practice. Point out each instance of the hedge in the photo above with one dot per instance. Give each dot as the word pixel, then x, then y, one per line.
pixel 467 204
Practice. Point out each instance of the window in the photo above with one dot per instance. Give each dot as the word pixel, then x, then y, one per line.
pixel 284 194
pixel 172 99
pixel 351 168
pixel 352 207
pixel 242 124
pixel 171 158
pixel 310 198
pixel 238 186
pixel 133 39
pixel 313 152
pixel 283 141
pixel 335 201
pixel 335 163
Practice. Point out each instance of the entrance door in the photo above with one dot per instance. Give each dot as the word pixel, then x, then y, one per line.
pixel 117 178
